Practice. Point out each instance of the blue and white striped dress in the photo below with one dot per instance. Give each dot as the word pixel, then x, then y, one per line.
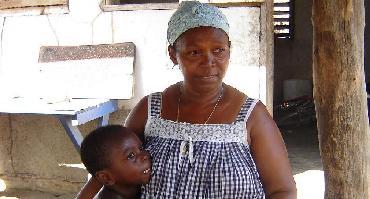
pixel 200 160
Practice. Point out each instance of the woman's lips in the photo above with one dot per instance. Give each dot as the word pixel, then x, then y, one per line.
pixel 207 77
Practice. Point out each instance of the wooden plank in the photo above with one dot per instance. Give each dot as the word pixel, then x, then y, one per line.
pixel 281 19
pixel 281 12
pixel 340 96
pixel 61 106
pixel 267 49
pixel 149 6
pixel 6 4
pixel 65 53
pixel 282 27
pixel 87 71
pixel 90 78
pixel 32 11
pixel 170 6
pixel 142 1
pixel 237 4
pixel 283 35
pixel 282 4
pixel 236 1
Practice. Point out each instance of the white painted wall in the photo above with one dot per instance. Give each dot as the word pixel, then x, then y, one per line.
pixel 31 165
pixel 86 24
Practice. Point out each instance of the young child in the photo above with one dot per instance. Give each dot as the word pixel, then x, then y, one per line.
pixel 114 155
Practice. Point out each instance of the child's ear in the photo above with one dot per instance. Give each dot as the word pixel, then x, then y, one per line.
pixel 172 53
pixel 105 177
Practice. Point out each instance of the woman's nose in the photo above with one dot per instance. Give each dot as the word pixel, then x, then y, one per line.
pixel 208 60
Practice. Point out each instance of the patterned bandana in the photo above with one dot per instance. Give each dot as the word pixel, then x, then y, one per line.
pixel 192 14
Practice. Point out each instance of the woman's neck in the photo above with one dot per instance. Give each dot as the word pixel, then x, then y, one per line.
pixel 199 96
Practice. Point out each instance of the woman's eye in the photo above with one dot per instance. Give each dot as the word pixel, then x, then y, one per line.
pixel 141 148
pixel 219 50
pixel 131 156
pixel 194 52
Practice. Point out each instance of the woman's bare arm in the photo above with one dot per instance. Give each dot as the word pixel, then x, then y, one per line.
pixel 270 154
pixel 90 189
pixel 136 120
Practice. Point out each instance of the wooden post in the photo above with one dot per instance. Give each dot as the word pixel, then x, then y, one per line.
pixel 340 96
pixel 267 49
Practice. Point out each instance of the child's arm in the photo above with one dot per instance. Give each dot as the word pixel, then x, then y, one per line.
pixel 90 189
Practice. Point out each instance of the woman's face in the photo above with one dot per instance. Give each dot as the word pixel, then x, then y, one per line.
pixel 203 56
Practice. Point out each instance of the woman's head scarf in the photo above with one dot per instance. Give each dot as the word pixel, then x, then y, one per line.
pixel 192 14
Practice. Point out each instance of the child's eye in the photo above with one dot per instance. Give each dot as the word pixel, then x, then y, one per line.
pixel 131 156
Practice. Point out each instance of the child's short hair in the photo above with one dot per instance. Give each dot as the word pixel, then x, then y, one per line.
pixel 95 148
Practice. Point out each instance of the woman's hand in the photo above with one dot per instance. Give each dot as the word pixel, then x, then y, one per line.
pixel 90 189
pixel 269 152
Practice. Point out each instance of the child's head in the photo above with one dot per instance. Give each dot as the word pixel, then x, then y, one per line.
pixel 115 156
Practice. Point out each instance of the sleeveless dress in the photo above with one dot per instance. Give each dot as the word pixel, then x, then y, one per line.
pixel 192 161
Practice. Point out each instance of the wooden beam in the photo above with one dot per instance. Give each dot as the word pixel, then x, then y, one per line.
pixel 34 11
pixel 340 96
pixel 147 6
pixel 6 4
pixel 237 4
pixel 267 49
pixel 66 53
pixel 170 6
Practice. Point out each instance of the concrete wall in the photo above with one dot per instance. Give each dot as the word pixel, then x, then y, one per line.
pixel 35 152
pixel 293 57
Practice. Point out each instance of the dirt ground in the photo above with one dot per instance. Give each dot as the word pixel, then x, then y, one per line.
pixel 31 194
pixel 304 156
pixel 303 148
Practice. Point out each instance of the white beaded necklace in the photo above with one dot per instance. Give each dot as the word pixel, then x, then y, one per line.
pixel 213 110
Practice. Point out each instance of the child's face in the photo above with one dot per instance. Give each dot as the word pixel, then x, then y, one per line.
pixel 130 163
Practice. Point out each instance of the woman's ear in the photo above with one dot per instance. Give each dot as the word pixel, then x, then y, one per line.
pixel 172 53
pixel 105 177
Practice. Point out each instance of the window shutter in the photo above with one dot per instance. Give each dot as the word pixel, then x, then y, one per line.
pixel 283 18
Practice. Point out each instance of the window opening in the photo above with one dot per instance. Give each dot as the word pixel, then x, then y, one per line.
pixel 283 18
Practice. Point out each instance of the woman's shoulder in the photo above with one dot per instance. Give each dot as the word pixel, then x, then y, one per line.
pixel 172 88
pixel 260 115
pixel 138 116
pixel 169 89
pixel 234 95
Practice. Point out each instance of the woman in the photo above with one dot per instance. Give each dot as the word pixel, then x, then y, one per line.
pixel 206 138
